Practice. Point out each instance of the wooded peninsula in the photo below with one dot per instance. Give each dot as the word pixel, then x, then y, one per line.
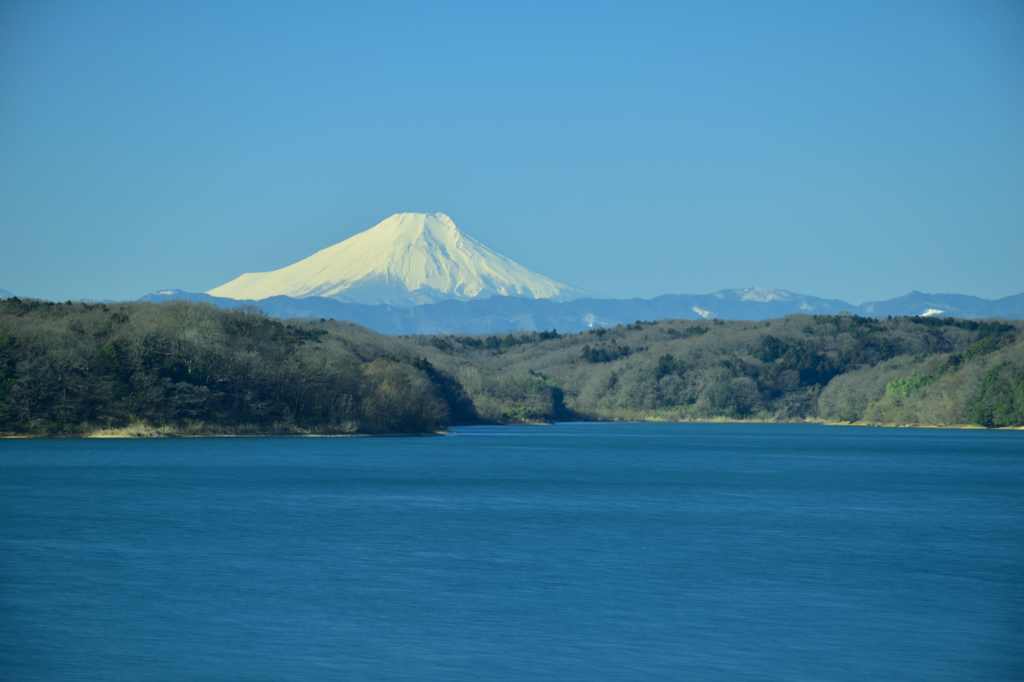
pixel 182 368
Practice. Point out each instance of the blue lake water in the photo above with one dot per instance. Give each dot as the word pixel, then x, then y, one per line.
pixel 569 552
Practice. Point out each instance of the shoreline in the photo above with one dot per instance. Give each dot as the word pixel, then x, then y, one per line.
pixel 129 433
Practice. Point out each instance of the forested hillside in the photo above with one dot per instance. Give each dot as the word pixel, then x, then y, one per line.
pixel 839 368
pixel 72 368
pixel 192 368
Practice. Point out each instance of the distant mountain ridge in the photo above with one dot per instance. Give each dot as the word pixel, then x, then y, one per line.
pixel 406 259
pixel 503 313
pixel 950 305
pixel 418 273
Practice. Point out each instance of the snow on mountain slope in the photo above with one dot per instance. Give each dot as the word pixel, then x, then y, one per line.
pixel 408 259
pixel 759 294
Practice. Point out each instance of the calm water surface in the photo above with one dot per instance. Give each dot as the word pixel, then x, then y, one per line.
pixel 573 552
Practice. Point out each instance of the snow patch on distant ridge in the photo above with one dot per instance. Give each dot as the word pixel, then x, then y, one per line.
pixel 706 314
pixel 762 294
pixel 758 294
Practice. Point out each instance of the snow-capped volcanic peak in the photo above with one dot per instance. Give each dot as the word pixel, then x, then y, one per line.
pixel 410 259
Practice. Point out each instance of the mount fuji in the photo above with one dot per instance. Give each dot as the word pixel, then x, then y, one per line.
pixel 417 273
pixel 407 259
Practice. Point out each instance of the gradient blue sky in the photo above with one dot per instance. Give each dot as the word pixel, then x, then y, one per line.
pixel 851 150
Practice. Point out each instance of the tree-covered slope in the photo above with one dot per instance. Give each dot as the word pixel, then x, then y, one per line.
pixel 73 368
pixel 836 368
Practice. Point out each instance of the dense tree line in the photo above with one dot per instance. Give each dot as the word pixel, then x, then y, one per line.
pixel 604 353
pixel 68 368
pixel 495 343
pixel 71 368
pixel 829 367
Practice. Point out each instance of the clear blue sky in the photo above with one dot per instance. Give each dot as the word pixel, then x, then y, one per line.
pixel 853 150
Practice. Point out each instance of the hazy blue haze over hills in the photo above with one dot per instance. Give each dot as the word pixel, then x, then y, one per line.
pixel 502 313
pixel 952 305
